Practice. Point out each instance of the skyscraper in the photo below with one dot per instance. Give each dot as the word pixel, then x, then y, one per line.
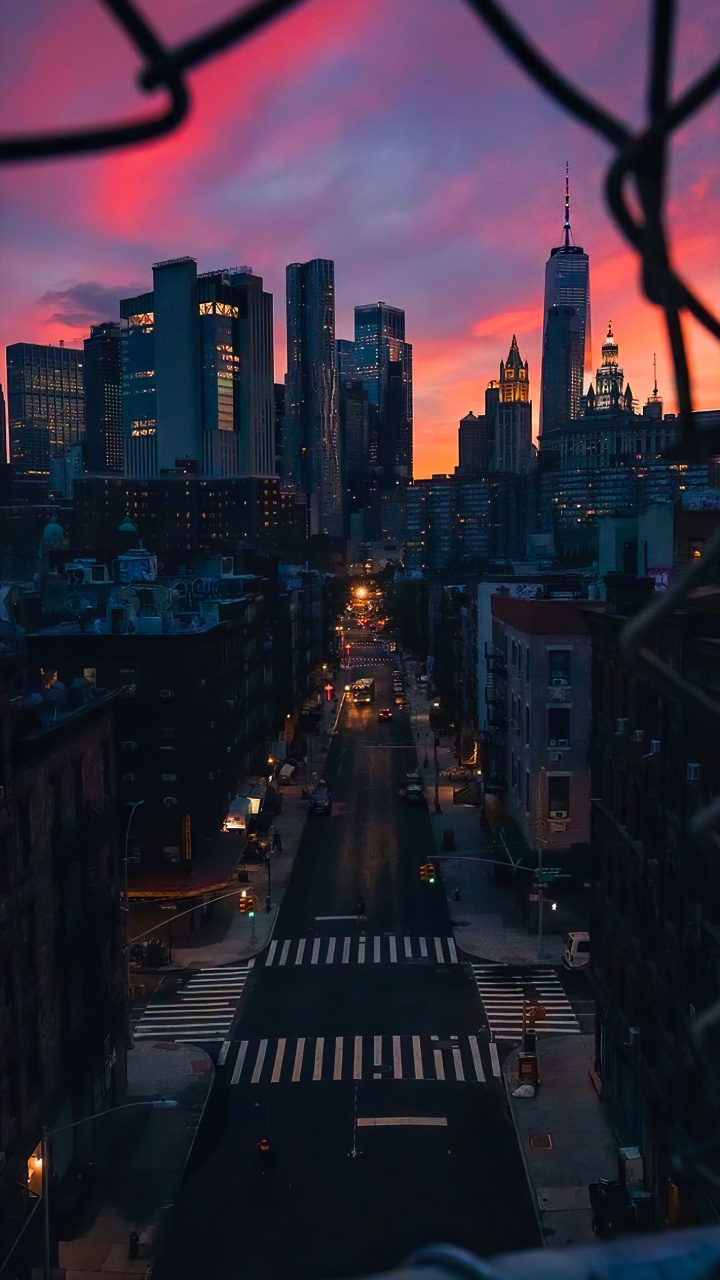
pixel 197 367
pixel 562 369
pixel 567 284
pixel 103 399
pixel 508 414
pixel 311 447
pixel 46 406
pixel 383 361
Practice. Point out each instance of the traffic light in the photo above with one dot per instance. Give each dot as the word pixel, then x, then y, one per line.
pixel 246 903
pixel 427 872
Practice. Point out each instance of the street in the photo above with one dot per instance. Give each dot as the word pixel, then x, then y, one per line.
pixel 361 1052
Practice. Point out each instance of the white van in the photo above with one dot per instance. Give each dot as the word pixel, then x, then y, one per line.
pixel 577 950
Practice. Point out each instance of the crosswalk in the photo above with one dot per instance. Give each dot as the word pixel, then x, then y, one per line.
pixel 386 948
pixel 502 997
pixel 470 1059
pixel 203 1011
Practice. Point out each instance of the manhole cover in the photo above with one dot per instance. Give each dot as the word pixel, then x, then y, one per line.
pixel 541 1141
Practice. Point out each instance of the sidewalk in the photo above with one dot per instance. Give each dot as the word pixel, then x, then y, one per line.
pixel 140 1158
pixel 487 920
pixel 237 937
pixel 582 1147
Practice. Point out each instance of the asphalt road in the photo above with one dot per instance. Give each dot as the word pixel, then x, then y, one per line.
pixel 340 1027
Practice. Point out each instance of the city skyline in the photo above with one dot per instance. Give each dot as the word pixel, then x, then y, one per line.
pixel 304 104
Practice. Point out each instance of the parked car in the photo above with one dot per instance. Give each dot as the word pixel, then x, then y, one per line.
pixel 385 713
pixel 413 793
pixel 577 950
pixel 320 801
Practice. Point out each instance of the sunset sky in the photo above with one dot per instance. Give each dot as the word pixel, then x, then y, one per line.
pixel 396 139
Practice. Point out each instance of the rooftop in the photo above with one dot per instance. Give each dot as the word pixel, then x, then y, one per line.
pixel 543 617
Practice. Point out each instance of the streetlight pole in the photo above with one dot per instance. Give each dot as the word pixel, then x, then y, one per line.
pixel 155 1104
pixel 126 916
pixel 437 774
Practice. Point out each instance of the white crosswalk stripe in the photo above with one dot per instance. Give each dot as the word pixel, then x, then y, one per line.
pixel 502 994
pixel 203 1009
pixel 466 1059
pixel 384 948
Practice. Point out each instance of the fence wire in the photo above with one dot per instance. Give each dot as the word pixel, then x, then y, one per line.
pixel 639 156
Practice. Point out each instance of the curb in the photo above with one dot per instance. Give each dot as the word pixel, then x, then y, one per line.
pixel 523 1155
pixel 166 1210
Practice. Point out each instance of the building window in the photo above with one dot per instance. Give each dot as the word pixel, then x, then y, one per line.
pixel 558 666
pixel 107 768
pixel 527 791
pixel 527 726
pixel 514 654
pixel 5 862
pixel 558 796
pixel 79 791
pixel 26 947
pixel 558 726
pixel 24 834
pixel 527 664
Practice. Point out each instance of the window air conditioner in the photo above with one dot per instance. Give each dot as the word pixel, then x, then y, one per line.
pixel 693 773
pixel 128 777
pixel 555 757
pixel 166 693
pixel 559 680
pixel 128 745
pixel 562 742
pixel 654 746
pixel 638 735
pixel 558 814
pixel 621 725
pixel 633 1038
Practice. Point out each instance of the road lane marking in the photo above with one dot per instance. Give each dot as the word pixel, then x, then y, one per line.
pixel 494 1058
pixel 336 917
pixel 315 951
pixel 376 950
pixel 439 1064
pixel 361 951
pixel 377 1055
pixel 284 953
pixel 393 951
pixel 452 951
pixel 346 951
pixel 477 1061
pixel 317 1064
pixel 300 951
pixel 330 951
pixel 271 952
pixel 251 963
pixel 337 1067
pixel 357 1059
pixel 223 1053
pixel 397 1058
pixel 279 1055
pixel 257 1071
pixel 417 1057
pixel 297 1065
pixel 423 947
pixel 439 950
pixel 408 947
pixel 459 1073
pixel 239 1061
pixel 382 1122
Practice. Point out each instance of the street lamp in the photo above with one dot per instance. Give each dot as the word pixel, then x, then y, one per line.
pixel 155 1104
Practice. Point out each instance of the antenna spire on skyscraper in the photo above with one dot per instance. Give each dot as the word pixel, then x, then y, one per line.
pixel 655 390
pixel 566 226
